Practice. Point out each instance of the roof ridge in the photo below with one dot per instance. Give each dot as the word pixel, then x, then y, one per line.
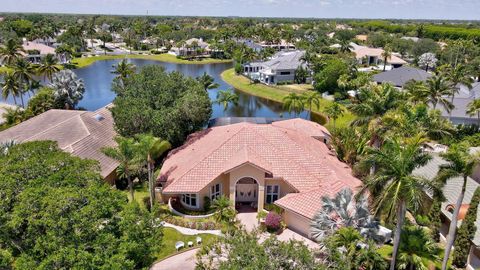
pixel 46 130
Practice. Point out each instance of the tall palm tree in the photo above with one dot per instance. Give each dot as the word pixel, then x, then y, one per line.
pixel 225 97
pixel 416 249
pixel 11 51
pixel 438 90
pixel 459 74
pixel 151 148
pixel 345 46
pixel 48 66
pixel 207 81
pixel 473 108
pixel 127 156
pixel 460 164
pixel 311 99
pixel 67 88
pixel 124 70
pixel 23 71
pixel 10 87
pixel 393 186
pixel 386 54
pixel 221 205
pixel 334 111
pixel 417 91
pixel 293 103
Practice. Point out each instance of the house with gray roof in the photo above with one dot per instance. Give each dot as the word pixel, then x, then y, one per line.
pixel 400 76
pixel 451 191
pixel 280 67
pixel 461 100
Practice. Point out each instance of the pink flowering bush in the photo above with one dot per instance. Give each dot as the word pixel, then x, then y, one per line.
pixel 273 221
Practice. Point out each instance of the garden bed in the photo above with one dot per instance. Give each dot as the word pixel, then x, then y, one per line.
pixel 177 208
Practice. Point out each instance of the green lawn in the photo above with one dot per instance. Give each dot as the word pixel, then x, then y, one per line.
pixel 277 93
pixel 171 236
pixel 386 252
pixel 165 57
pixel 140 192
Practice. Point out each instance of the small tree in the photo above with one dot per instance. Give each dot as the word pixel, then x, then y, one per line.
pixel 427 60
pixel 334 111
pixel 466 233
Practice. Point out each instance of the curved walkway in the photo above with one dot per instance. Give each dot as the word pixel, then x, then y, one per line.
pixel 184 261
pixel 188 231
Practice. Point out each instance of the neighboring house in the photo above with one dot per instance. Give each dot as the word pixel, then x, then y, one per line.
pixel 34 52
pixel 191 47
pixel 80 133
pixel 361 37
pixel 451 191
pixel 286 163
pixel 282 45
pixel 461 100
pixel 256 47
pixel 280 67
pixel 400 76
pixel 373 57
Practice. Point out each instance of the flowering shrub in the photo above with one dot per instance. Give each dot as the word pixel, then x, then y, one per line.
pixel 273 221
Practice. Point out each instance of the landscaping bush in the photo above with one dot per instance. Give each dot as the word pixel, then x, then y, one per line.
pixel 273 221
pixel 272 207
pixel 238 68
pixel 422 220
pixel 206 204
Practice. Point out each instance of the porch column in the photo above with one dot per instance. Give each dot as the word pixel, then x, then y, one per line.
pixel 261 197
pixel 232 193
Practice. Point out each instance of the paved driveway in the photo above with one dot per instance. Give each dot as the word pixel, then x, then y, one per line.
pixel 248 220
pixel 183 261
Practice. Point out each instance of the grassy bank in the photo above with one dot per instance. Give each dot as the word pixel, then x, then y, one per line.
pixel 277 93
pixel 165 57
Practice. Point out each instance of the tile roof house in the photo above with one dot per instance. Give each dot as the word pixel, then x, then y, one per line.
pixel 191 47
pixel 451 191
pixel 461 100
pixel 286 163
pixel 400 76
pixel 80 133
pixel 279 68
pixel 373 56
pixel 36 51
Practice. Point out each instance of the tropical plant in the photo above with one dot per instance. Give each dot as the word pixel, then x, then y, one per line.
pixel 457 75
pixel 466 232
pixel 417 91
pixel 127 156
pixel 67 88
pixel 225 97
pixel 5 147
pixel 473 108
pixel 10 87
pixel 342 248
pixel 460 164
pixel 222 206
pixel 349 143
pixel 438 90
pixel 151 148
pixel 345 46
pixel 293 103
pixel 342 211
pixel 48 66
pixel 386 54
pixel 334 111
pixel 416 250
pixel 42 101
pixel 434 215
pixel 427 60
pixel 207 81
pixel 14 116
pixel 124 70
pixel 368 258
pixel 310 99
pixel 301 75
pixel 23 71
pixel 392 186
pixel 11 51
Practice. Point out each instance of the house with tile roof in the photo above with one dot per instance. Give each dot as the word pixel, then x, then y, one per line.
pixel 286 163
pixel 35 51
pixel 280 67
pixel 81 133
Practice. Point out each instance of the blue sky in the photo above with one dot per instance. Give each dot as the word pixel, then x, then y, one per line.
pixel 415 9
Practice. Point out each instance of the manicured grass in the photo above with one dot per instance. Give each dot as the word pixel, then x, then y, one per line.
pixel 140 192
pixel 277 93
pixel 171 236
pixel 165 57
pixel 386 252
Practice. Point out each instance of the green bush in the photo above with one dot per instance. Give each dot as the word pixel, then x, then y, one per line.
pixel 422 220
pixel 206 204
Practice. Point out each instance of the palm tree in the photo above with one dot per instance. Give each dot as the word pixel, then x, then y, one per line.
pixel 151 148
pixel 221 206
pixel 127 156
pixel 345 46
pixel 10 87
pixel 417 91
pixel 23 71
pixel 460 164
pixel 341 211
pixel 416 248
pixel 11 52
pixel 473 108
pixel 386 54
pixel 48 66
pixel 393 186
pixel 67 88
pixel 369 258
pixel 438 90
pixel 124 70
pixel 293 103
pixel 311 98
pixel 344 246
pixel 456 75
pixel 225 97
pixel 14 115
pixel 207 81
pixel 334 111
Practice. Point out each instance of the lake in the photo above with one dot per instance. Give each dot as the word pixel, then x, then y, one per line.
pixel 98 79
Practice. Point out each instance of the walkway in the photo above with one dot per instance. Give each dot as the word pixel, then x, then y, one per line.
pixel 188 231
pixel 248 220
pixel 288 235
pixel 183 261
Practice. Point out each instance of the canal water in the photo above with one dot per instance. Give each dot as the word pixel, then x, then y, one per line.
pixel 98 80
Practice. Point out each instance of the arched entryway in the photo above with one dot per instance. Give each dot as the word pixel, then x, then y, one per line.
pixel 246 195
